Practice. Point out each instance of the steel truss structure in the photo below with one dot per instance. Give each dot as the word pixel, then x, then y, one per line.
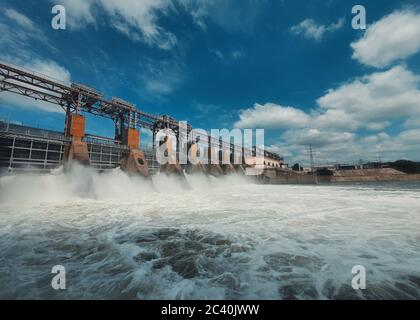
pixel 77 98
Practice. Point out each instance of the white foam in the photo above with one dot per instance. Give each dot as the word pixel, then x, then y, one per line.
pixel 224 238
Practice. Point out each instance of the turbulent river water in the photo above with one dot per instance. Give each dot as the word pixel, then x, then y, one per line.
pixel 222 239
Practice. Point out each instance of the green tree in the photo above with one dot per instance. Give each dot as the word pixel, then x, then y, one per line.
pixel 406 166
pixel 297 167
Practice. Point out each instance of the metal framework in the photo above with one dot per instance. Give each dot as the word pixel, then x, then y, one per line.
pixel 26 148
pixel 76 98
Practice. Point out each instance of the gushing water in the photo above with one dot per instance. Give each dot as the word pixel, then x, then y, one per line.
pixel 123 237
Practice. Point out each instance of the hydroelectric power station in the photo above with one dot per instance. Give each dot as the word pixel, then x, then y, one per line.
pixel 27 148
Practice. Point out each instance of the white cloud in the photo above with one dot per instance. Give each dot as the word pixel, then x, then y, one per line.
pixel 404 145
pixel 8 99
pixel 231 15
pixel 160 86
pixel 19 34
pixel 160 78
pixel 50 69
pixel 136 19
pixel 412 122
pixel 271 115
pixel 371 102
pixel 47 68
pixel 228 55
pixel 316 138
pixel 348 147
pixel 20 18
pixel 377 97
pixel 411 136
pixel 237 54
pixel 378 126
pixel 336 147
pixel 311 30
pixel 334 120
pixel 198 10
pixel 139 19
pixel 380 137
pixel 374 102
pixel 219 54
pixel 392 38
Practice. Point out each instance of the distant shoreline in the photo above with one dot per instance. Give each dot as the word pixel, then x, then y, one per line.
pixel 339 176
pixel 373 178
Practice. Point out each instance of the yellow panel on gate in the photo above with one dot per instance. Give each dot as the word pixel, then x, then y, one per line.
pixel 133 138
pixel 77 128
pixel 193 152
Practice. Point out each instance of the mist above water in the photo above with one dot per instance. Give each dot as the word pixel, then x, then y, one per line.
pixel 119 237
pixel 80 182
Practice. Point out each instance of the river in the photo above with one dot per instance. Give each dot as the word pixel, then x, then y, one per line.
pixel 226 238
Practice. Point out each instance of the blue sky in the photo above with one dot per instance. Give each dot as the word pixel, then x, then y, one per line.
pixel 295 68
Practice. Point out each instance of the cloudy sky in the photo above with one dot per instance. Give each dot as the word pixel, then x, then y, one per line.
pixel 295 68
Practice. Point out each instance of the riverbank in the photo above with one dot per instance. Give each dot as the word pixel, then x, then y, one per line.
pixel 361 175
pixel 371 175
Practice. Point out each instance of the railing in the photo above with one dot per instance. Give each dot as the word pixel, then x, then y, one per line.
pixel 9 127
pixel 104 140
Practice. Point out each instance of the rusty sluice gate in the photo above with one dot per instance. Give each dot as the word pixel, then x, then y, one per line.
pixel 24 147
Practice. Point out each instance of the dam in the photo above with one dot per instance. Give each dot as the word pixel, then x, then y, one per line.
pixel 111 190
pixel 28 148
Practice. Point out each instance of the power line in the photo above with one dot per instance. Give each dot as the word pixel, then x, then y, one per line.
pixel 311 156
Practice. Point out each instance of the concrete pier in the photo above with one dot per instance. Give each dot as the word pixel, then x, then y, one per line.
pixel 195 165
pixel 172 167
pixel 227 165
pixel 135 161
pixel 77 150
pixel 215 170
